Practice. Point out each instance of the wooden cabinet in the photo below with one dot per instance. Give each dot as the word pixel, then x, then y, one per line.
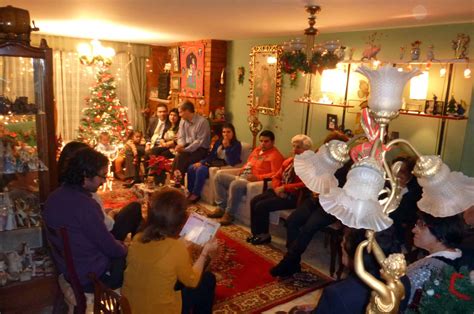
pixel 28 170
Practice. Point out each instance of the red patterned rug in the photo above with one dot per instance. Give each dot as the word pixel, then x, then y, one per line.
pixel 244 284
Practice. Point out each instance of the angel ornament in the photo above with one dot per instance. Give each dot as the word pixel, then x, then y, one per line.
pixel 387 294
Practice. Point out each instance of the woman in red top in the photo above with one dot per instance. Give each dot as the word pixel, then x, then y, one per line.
pixel 282 195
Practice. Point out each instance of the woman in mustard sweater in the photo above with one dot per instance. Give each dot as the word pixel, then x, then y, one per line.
pixel 158 263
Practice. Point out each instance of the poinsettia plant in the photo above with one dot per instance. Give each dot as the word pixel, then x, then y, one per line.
pixel 159 165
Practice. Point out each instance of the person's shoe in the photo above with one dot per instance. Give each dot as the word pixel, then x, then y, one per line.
pixel 218 213
pixel 258 240
pixel 285 268
pixel 250 238
pixel 227 219
pixel 193 198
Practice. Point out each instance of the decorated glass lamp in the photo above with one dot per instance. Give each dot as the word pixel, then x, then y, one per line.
pixel 357 204
pixel 317 169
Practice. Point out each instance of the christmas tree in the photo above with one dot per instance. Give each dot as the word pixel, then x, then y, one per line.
pixel 447 291
pixel 104 112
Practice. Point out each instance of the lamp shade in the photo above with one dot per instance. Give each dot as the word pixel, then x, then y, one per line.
pixel 356 205
pixel 316 170
pixel 445 192
pixel 386 87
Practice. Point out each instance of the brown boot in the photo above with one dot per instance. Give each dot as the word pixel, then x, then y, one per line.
pixel 218 213
pixel 227 219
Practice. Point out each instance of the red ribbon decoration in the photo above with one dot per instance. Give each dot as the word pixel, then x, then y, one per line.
pixel 452 288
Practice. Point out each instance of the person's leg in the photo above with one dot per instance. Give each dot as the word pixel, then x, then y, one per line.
pixel 183 160
pixel 127 220
pixel 237 190
pixel 200 299
pixel 222 182
pixel 113 278
pixel 191 172
pixel 253 203
pixel 202 173
pixel 263 209
pixel 297 219
pixel 317 219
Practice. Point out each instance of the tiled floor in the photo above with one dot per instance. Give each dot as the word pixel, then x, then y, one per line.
pixel 316 255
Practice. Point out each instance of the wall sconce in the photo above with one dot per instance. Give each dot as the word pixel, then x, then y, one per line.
pixel 442 72
pixel 332 81
pixel 419 86
pixel 95 53
pixel 467 73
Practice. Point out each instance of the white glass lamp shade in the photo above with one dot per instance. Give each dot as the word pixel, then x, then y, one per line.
pixel 445 192
pixel 386 87
pixel 316 170
pixel 356 205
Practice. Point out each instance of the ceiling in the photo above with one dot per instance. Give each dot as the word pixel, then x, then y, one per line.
pixel 162 22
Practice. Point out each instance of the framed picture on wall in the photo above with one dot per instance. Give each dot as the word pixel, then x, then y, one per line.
pixel 265 79
pixel 174 57
pixel 331 122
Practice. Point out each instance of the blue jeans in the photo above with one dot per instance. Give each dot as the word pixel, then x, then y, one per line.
pixel 230 190
pixel 196 178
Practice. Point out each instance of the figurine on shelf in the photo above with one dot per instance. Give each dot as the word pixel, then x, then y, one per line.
pixel 460 110
pixel 451 108
pixel 9 161
pixel 373 48
pixel 7 203
pixel 14 265
pixel 402 52
pixel 460 46
pixel 430 53
pixel 415 50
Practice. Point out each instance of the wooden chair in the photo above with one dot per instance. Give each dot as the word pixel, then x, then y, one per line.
pixel 107 301
pixel 58 240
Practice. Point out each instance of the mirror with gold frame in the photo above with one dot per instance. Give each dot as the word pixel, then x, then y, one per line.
pixel 265 79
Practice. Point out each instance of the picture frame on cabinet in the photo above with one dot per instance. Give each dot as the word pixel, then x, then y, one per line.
pixel 331 122
pixel 175 83
pixel 438 107
pixel 429 106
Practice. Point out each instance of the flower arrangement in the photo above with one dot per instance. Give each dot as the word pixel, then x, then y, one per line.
pixel 447 292
pixel 294 61
pixel 158 166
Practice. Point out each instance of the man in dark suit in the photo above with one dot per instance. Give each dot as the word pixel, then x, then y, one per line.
pixel 157 127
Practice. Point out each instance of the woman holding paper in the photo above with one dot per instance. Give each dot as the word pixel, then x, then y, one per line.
pixel 157 260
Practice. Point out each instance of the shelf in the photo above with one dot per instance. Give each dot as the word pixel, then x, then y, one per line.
pixel 432 116
pixel 435 61
pixel 322 104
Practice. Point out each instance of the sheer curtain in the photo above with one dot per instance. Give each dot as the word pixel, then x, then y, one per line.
pixel 72 81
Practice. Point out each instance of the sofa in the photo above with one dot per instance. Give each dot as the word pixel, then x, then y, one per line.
pixel 208 191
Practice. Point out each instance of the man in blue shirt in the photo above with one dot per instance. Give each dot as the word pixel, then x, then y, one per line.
pixel 194 137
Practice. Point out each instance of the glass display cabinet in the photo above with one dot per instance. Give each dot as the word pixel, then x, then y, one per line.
pixel 28 172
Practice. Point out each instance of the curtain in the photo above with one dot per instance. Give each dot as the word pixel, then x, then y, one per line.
pixel 138 89
pixel 72 80
pixel 16 78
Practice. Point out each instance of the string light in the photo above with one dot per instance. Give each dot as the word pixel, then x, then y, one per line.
pixel 467 73
pixel 442 72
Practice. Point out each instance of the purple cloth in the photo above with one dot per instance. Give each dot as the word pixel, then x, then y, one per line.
pixel 92 245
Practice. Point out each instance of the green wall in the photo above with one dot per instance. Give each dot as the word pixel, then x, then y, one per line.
pixel 423 132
